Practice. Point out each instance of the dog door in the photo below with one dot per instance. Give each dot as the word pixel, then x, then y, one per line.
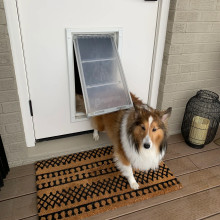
pixel 101 75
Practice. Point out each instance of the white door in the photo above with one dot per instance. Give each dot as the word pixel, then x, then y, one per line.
pixel 43 24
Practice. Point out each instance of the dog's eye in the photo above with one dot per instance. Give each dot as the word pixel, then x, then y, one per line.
pixel 154 129
pixel 142 126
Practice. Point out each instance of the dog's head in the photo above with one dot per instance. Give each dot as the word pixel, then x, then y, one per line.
pixel 147 128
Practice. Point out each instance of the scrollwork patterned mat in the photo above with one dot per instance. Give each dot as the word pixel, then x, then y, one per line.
pixel 83 184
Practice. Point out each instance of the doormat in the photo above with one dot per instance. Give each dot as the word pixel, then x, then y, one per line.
pixel 83 184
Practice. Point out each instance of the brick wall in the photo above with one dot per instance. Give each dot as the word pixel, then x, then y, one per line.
pixel 192 55
pixel 11 128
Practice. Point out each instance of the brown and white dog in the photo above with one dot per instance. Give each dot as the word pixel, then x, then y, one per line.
pixel 139 137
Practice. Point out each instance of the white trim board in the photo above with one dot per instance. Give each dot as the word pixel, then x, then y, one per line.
pixel 160 37
pixel 20 70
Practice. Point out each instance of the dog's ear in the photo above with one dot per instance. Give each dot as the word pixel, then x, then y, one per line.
pixel 137 109
pixel 148 108
pixel 143 106
pixel 165 115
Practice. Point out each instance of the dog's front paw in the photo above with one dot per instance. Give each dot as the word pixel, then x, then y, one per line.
pixel 134 185
pixel 96 135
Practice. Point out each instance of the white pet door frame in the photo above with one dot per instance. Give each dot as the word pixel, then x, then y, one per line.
pixel 96 50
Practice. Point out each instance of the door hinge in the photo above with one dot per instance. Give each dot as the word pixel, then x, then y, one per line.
pixel 31 109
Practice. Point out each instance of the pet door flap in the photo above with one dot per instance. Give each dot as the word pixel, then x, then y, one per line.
pixel 101 74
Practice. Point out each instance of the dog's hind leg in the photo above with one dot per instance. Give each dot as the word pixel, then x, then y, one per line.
pixel 126 171
pixel 95 135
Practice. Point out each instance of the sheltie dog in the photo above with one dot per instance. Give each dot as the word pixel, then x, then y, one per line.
pixel 139 137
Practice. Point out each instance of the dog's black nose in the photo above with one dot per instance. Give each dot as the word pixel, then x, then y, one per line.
pixel 147 146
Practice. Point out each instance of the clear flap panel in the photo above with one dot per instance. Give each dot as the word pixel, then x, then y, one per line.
pixel 101 74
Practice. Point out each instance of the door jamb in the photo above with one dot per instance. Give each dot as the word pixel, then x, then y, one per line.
pixel 159 43
pixel 20 70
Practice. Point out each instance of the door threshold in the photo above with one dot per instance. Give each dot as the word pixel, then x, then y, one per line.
pixel 64 146
pixel 63 136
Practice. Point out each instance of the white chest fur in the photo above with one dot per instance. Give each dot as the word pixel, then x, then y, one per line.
pixel 143 160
